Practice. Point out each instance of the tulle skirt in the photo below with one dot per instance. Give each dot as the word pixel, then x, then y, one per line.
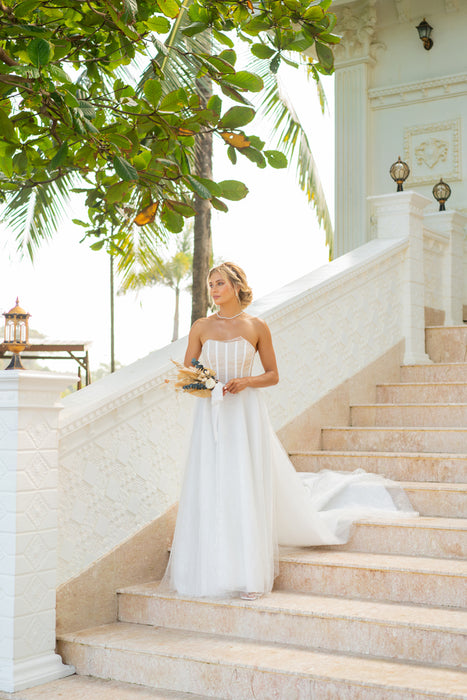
pixel 242 497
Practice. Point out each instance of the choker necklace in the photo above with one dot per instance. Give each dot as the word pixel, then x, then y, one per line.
pixel 228 318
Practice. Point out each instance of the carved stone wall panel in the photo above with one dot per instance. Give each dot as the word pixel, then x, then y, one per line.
pixel 433 151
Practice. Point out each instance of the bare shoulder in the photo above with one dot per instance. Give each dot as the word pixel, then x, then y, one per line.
pixel 260 328
pixel 198 327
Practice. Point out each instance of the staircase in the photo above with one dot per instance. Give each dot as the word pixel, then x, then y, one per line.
pixel 383 617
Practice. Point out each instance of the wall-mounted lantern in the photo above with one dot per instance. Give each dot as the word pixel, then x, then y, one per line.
pixel 16 335
pixel 424 31
pixel 441 192
pixel 399 171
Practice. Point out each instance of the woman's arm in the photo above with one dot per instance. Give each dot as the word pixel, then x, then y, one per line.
pixel 268 360
pixel 194 343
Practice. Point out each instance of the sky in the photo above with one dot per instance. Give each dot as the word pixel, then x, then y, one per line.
pixel 272 234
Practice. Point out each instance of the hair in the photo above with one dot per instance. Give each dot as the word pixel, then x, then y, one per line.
pixel 237 278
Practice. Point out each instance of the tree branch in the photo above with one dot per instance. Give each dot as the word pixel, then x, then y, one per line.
pixel 7 59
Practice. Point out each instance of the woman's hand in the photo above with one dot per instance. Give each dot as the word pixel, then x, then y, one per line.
pixel 234 386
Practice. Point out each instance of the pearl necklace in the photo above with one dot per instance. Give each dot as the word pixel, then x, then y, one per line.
pixel 228 318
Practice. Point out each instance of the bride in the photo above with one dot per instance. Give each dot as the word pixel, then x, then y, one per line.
pixel 241 496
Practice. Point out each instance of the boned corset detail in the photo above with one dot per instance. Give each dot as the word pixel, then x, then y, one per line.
pixel 228 358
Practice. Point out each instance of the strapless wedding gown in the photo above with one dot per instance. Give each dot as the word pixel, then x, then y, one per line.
pixel 242 497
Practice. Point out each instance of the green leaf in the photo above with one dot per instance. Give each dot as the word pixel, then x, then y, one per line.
pixel 124 169
pixel 117 192
pixel 181 207
pixel 219 204
pixel 215 104
pixel 233 189
pixel 229 56
pixel 197 187
pixel 255 156
pixel 195 28
pixel 175 101
pixel 275 63
pixel 169 8
pixel 160 25
pixel 70 99
pixel 40 51
pixel 58 74
pixel 236 117
pixel 325 55
pixel 7 129
pixel 152 90
pixel 60 156
pixel 314 14
pixel 232 153
pixel 330 38
pixel 256 142
pixel 262 51
pixel 244 80
pixel 78 222
pixel 120 141
pixel 276 159
pixel 222 38
pixel 172 220
pixel 98 245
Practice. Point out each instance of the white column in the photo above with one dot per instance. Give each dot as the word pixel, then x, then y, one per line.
pixel 351 160
pixel 400 215
pixel 452 225
pixel 29 409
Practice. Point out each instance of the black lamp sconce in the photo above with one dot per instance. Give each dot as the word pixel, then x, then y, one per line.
pixel 424 31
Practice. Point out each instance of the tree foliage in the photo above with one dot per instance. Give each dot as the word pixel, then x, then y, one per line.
pixel 71 118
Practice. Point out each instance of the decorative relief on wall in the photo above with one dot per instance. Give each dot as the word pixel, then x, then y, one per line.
pixel 356 23
pixel 433 151
pixel 452 5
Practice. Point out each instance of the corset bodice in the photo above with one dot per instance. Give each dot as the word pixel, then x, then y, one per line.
pixel 228 358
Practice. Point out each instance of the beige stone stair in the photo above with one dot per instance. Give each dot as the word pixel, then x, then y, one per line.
pixel 214 665
pixel 381 577
pixel 413 415
pixel 438 372
pixel 404 466
pixel 428 635
pixel 382 617
pixel 399 439
pixel 422 392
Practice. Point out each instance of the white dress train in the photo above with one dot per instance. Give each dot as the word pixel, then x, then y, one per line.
pixel 242 498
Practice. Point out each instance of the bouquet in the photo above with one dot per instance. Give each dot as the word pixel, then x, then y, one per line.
pixel 199 380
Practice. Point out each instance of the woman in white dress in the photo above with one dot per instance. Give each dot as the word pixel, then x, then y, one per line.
pixel 241 496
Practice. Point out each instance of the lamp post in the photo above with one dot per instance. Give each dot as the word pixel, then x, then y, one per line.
pixel 16 335
pixel 399 171
pixel 441 192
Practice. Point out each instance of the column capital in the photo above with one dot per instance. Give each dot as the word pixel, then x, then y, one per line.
pixel 356 21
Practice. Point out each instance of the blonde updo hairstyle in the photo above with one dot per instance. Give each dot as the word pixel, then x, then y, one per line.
pixel 237 278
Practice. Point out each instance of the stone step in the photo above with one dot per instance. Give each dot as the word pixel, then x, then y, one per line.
pixel 395 439
pixel 422 392
pixel 437 372
pixel 446 343
pixel 438 500
pixel 89 688
pixel 412 415
pixel 394 631
pixel 423 537
pixel 242 669
pixel 401 466
pixel 383 577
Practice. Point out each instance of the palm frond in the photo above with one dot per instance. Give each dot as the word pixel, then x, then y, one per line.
pixel 291 138
pixel 35 214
